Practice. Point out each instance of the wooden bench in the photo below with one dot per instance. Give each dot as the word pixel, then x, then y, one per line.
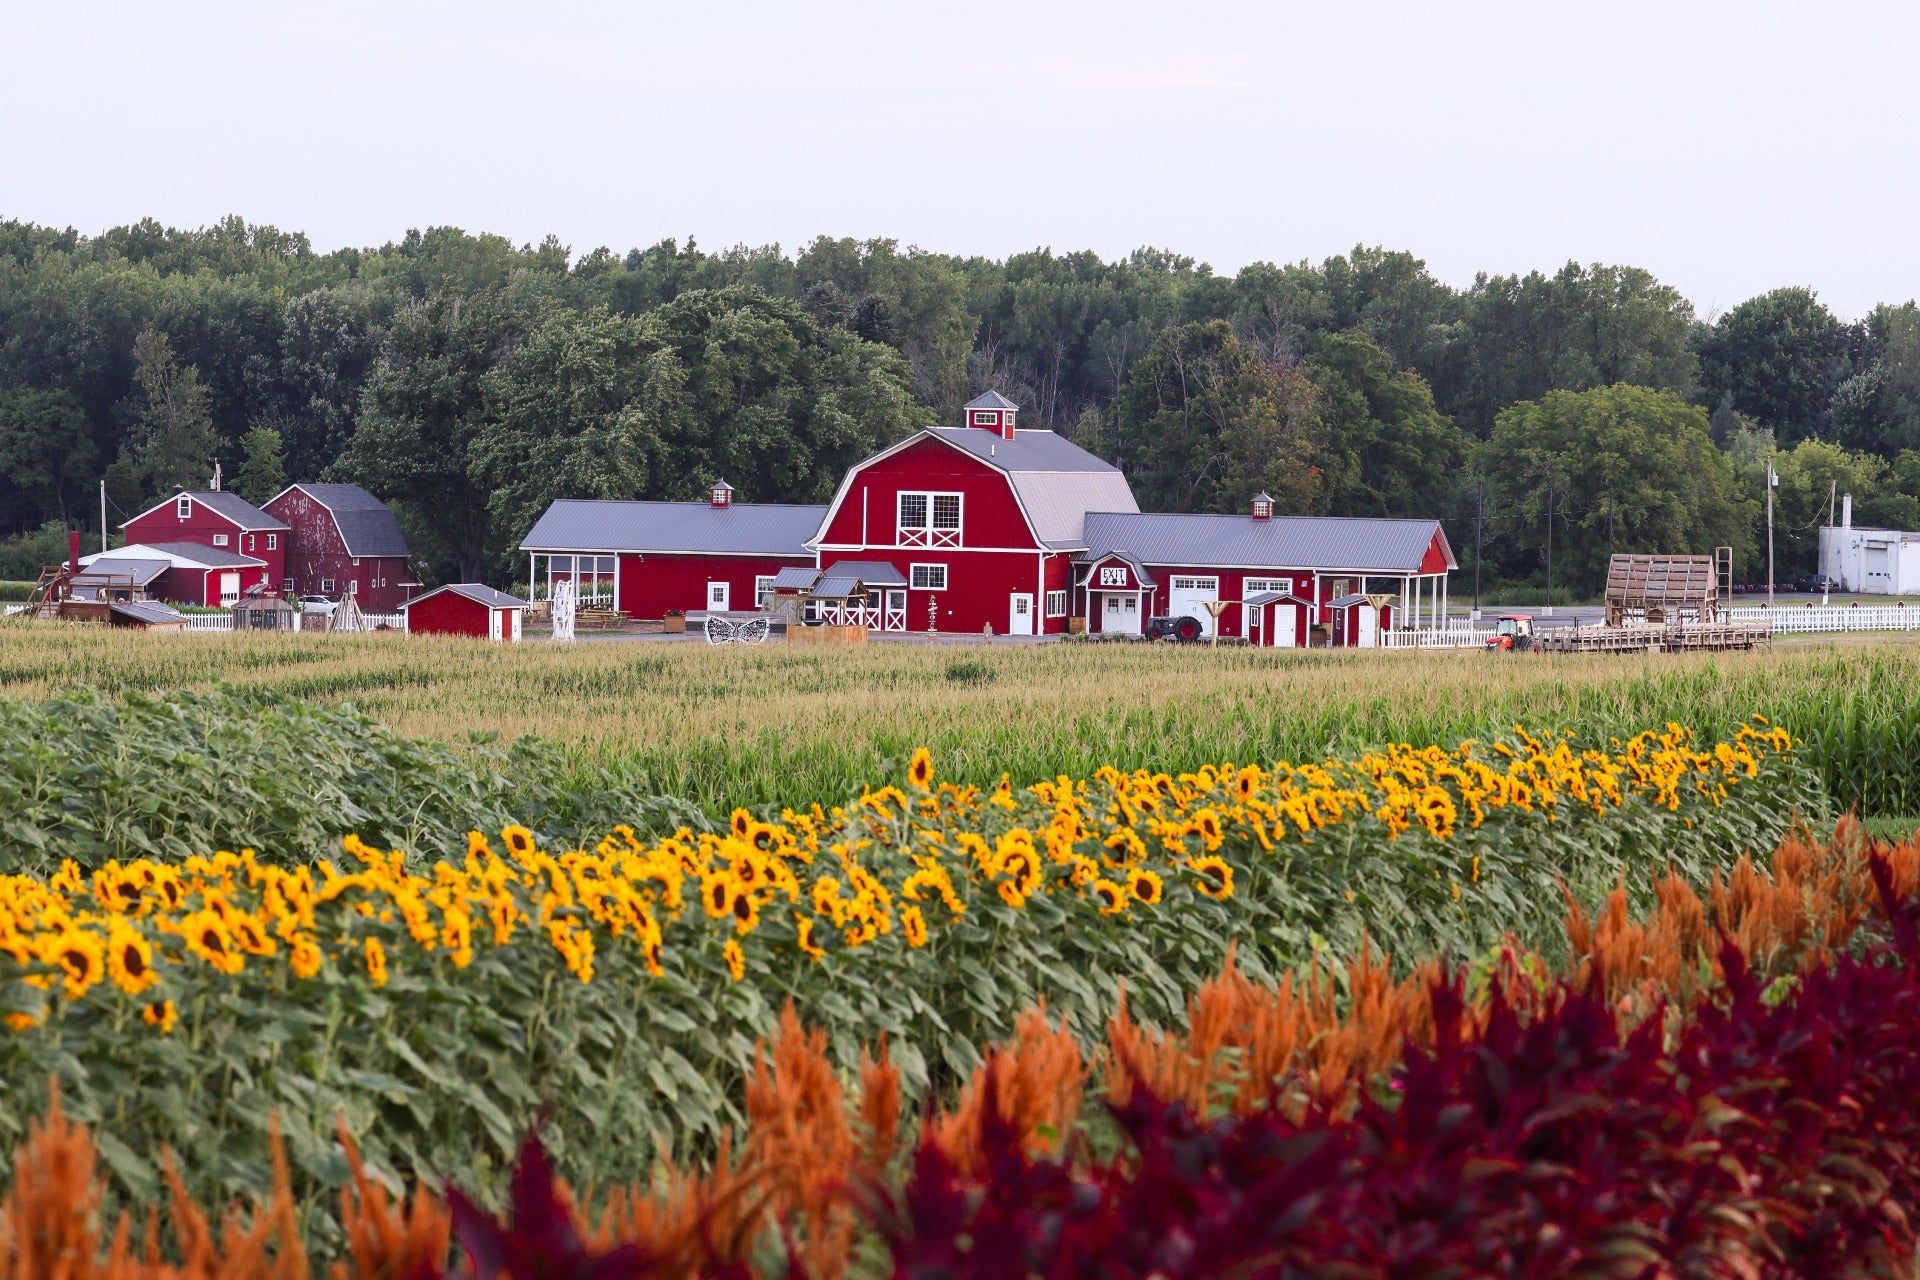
pixel 594 619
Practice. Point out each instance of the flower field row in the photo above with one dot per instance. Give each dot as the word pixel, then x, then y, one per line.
pixel 1749 1046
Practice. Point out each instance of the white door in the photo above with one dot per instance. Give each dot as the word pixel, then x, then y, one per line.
pixel 718 593
pixel 514 615
pixel 1121 613
pixel 1367 619
pixel 1184 596
pixel 896 615
pixel 229 588
pixel 1020 620
pixel 493 624
pixel 1284 618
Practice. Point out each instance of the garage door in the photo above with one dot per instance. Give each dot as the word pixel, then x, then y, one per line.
pixel 1184 596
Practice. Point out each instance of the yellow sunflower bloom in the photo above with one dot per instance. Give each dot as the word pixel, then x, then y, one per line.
pixel 79 956
pixel 736 959
pixel 520 841
pixel 161 1014
pixel 1144 885
pixel 129 960
pixel 920 770
pixel 206 935
pixel 804 937
pixel 376 962
pixel 914 925
pixel 1214 877
pixel 1112 897
pixel 305 956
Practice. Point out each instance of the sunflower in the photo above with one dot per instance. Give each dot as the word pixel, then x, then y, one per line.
pixel 305 956
pixel 742 822
pixel 251 936
pixel 376 962
pixel 207 937
pixel 1113 897
pixel 1206 825
pixel 1215 877
pixel 161 1014
pixel 650 952
pixel 1011 895
pixel 520 842
pixel 79 956
pixel 736 959
pixel 717 893
pixel 457 935
pixel 803 929
pixel 920 770
pixel 746 913
pixel 914 925
pixel 129 960
pixel 1144 885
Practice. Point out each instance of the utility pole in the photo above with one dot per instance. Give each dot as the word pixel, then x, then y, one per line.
pixel 103 517
pixel 1773 479
pixel 1826 577
pixel 1549 609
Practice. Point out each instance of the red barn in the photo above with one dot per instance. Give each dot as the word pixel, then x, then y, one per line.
pixel 465 609
pixel 219 521
pixel 988 525
pixel 344 542
pixel 183 572
pixel 650 557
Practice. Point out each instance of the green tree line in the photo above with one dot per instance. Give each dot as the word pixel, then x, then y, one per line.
pixel 468 381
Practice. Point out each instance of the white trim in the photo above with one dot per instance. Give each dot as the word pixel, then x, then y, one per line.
pixel 915 585
pixel 165 502
pixel 1051 612
pixel 934 434
pixel 930 535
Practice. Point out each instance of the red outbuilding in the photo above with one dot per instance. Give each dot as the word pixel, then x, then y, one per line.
pixel 218 521
pixel 1277 619
pixel 466 609
pixel 343 542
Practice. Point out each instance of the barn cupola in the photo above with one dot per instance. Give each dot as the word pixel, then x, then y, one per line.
pixel 1262 506
pixel 993 412
pixel 721 495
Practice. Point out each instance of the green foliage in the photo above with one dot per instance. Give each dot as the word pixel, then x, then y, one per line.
pixel 1776 360
pixel 46 456
pixel 22 558
pixel 174 442
pixel 1626 468
pixel 1391 453
pixel 263 472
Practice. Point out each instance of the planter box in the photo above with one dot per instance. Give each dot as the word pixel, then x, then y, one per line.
pixel 673 626
pixel 1076 626
pixel 826 635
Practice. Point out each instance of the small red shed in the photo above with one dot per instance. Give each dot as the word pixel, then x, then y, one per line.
pixel 1277 619
pixel 1358 620
pixel 466 609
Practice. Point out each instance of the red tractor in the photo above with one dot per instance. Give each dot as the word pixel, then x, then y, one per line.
pixel 1514 632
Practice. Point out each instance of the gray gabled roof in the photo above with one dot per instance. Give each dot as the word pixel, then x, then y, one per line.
pixel 205 557
pixel 990 399
pixel 121 571
pixel 1329 543
pixel 148 611
pixel 231 505
pixel 1266 598
pixel 1133 561
pixel 1056 480
pixel 366 524
pixel 744 528
pixel 476 592
pixel 839 579
pixel 796 577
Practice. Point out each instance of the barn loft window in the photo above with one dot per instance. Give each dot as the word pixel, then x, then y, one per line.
pixel 184 508
pixel 219 539
pixel 929 519
pixel 326 586
pixel 929 577
pixel 286 585
pixel 273 542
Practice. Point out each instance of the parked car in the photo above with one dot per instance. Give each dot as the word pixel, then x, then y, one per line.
pixel 1182 626
pixel 1815 583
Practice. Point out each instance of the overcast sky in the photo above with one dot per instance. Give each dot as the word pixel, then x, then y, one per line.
pixel 1728 147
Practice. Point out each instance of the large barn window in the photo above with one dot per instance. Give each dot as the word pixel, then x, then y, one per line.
pixel 929 519
pixel 929 577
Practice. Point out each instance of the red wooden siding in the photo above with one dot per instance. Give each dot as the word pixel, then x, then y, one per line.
pixel 989 515
pixel 448 614
pixel 652 584
pixel 980 585
pixel 163 524
pixel 201 586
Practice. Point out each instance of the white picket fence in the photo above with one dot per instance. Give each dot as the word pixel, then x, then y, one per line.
pixel 1436 638
pixel 1866 617
pixel 308 622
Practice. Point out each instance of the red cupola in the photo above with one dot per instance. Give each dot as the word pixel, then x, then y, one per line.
pixel 1262 506
pixel 721 495
pixel 993 412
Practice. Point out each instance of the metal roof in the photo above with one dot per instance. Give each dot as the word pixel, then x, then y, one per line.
pixel 366 524
pixel 1119 553
pixel 122 571
pixel 1056 480
pixel 795 577
pixel 148 611
pixel 476 592
pixel 872 573
pixel 231 505
pixel 1266 598
pixel 744 528
pixel 178 555
pixel 1333 543
pixel 990 399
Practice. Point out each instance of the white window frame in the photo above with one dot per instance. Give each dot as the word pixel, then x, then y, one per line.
pixel 930 534
pixel 219 539
pixel 1251 587
pixel 933 570
pixel 1056 604
pixel 356 562
pixel 183 507
pixel 273 542
pixel 286 586
pixel 326 586
pixel 762 591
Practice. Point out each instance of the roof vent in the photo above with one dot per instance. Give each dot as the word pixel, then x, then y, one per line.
pixel 1262 506
pixel 721 495
pixel 993 412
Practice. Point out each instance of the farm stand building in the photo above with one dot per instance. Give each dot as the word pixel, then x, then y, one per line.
pixel 344 542
pixel 987 525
